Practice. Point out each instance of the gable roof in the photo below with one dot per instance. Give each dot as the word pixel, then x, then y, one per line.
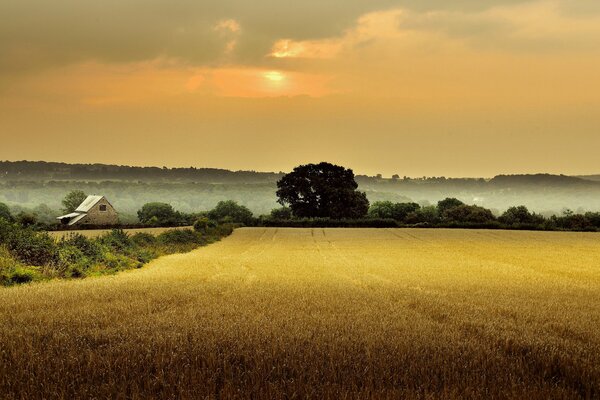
pixel 88 203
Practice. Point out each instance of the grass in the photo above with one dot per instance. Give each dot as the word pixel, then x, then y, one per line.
pixel 93 233
pixel 320 313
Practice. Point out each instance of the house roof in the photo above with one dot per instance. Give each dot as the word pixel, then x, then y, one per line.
pixel 71 215
pixel 76 219
pixel 88 203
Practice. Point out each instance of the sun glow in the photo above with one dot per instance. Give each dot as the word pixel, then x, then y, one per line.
pixel 274 76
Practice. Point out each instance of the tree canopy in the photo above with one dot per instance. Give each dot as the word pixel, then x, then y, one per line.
pixel 322 190
pixel 72 200
pixel 158 214
pixel 231 211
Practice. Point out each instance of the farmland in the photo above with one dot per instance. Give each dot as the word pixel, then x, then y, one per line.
pixel 320 313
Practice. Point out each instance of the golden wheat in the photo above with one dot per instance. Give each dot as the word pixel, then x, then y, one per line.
pixel 320 313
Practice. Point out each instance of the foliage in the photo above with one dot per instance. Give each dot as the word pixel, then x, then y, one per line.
pixel 26 219
pixel 5 213
pixel 520 216
pixel 465 214
pixel 322 190
pixel 448 204
pixel 231 211
pixel 159 214
pixel 73 200
pixel 281 213
pixel 397 211
pixel 332 223
pixel 23 250
pixel 32 248
pixel 204 224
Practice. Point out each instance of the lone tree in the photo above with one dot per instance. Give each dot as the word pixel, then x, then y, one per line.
pixel 322 190
pixel 73 200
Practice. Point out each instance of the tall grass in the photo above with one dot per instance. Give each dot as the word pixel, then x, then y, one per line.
pixel 320 313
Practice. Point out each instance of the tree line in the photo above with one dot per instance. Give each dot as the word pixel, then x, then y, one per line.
pixel 328 195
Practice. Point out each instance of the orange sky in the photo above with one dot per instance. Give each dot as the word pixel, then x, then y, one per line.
pixel 408 87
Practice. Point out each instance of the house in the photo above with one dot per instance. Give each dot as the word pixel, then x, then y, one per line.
pixel 95 210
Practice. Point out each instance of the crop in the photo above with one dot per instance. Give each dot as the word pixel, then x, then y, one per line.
pixel 320 313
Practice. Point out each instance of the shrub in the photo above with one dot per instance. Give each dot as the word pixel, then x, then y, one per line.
pixel 32 248
pixel 465 214
pixel 203 224
pixel 89 248
pixel 179 237
pixel 21 275
pixel 159 214
pixel 26 219
pixel 70 256
pixel 447 204
pixel 117 240
pixel 520 216
pixel 143 239
pixel 231 211
pixel 6 230
pixel 282 213
pixel 5 213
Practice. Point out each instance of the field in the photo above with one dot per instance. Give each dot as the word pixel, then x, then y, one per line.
pixel 92 233
pixel 320 313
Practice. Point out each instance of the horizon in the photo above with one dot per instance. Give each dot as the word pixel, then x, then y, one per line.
pixel 357 173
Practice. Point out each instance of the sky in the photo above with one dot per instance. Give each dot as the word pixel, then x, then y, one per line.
pixel 408 87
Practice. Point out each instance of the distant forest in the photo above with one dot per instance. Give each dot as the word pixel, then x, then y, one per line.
pixel 40 187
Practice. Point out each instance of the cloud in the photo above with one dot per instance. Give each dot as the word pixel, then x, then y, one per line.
pixel 40 34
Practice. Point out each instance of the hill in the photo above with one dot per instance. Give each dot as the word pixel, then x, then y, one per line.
pixel 28 184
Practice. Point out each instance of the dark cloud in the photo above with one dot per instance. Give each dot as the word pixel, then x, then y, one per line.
pixel 38 34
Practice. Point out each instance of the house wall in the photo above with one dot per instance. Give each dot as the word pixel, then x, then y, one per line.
pixel 97 217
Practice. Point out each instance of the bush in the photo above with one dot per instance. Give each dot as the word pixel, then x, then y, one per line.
pixel 333 223
pixel 117 240
pixel 230 211
pixel 447 204
pixel 282 213
pixel 5 213
pixel 520 216
pixel 89 248
pixel 397 211
pixel 160 214
pixel 26 219
pixel 471 215
pixel 143 239
pixel 20 275
pixel 32 248
pixel 203 225
pixel 179 237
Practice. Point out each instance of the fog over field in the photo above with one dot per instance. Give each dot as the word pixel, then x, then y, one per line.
pixel 41 186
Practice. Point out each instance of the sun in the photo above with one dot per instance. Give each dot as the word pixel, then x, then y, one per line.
pixel 274 76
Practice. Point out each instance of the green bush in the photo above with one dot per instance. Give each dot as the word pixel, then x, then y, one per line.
pixel 32 248
pixel 89 248
pixel 203 225
pixel 117 240
pixel 5 213
pixel 179 237
pixel 21 275
pixel 143 239
pixel 231 211
pixel 282 213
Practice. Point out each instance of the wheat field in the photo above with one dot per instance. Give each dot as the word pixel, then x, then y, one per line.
pixel 319 313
